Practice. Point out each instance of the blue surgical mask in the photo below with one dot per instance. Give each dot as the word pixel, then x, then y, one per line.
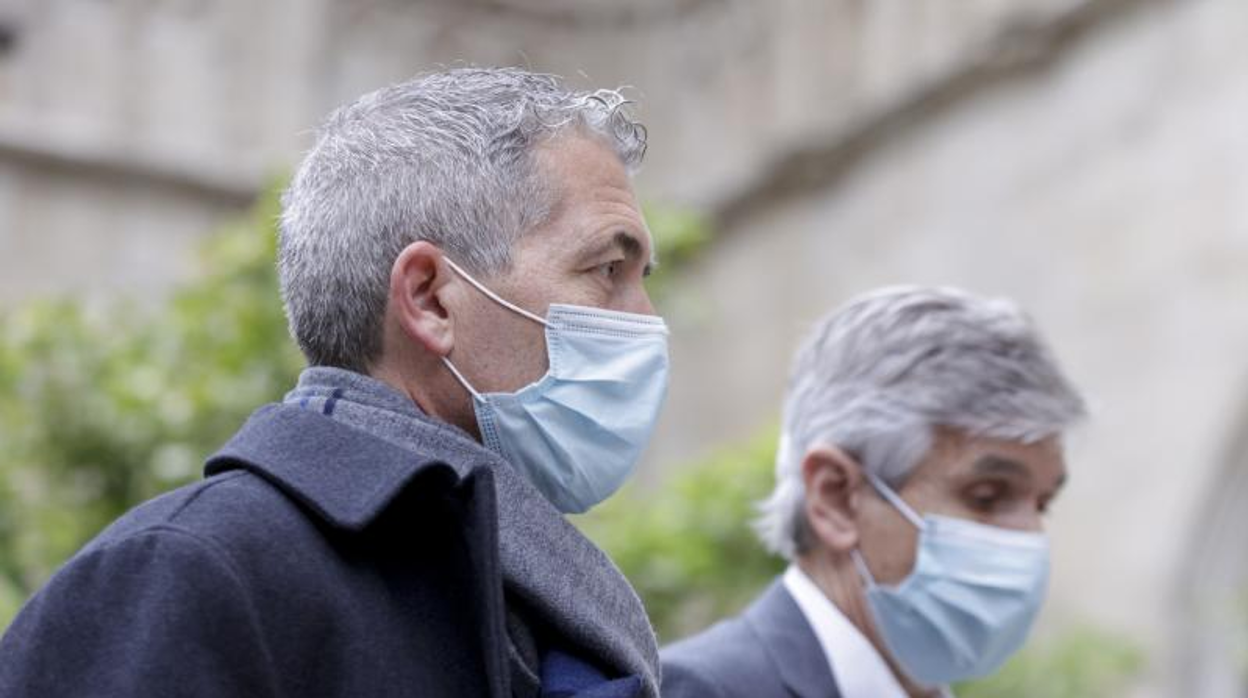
pixel 969 602
pixel 578 432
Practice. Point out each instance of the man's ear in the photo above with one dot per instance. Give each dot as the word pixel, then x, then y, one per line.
pixel 833 481
pixel 418 281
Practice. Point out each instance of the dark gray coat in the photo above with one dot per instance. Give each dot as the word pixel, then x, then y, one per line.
pixel 769 651
pixel 314 560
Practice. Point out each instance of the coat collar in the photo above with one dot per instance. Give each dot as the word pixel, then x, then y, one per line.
pixel 791 643
pixel 346 476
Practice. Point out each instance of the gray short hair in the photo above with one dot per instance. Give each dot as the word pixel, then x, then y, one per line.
pixel 447 157
pixel 877 376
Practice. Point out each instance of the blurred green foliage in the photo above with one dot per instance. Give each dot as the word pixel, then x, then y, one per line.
pixel 104 405
pixel 688 548
pixel 679 235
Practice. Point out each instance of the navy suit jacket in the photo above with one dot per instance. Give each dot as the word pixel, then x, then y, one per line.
pixel 315 560
pixel 769 651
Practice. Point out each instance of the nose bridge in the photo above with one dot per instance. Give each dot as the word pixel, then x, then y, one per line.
pixel 636 299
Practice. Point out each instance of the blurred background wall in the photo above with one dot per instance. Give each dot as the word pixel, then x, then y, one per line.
pixel 1086 157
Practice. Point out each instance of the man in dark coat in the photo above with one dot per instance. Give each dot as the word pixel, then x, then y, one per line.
pixel 921 445
pixel 461 258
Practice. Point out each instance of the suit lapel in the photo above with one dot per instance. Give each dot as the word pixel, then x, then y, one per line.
pixel 791 644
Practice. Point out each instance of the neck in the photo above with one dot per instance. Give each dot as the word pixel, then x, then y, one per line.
pixel 441 399
pixel 838 579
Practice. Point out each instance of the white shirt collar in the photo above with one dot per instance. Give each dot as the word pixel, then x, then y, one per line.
pixel 859 670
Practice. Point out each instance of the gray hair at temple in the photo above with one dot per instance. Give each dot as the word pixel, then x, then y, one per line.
pixel 448 157
pixel 878 376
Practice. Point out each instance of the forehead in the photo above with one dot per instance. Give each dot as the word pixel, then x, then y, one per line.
pixel 577 159
pixel 590 194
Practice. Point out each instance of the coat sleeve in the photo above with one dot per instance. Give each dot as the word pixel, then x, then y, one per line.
pixel 681 680
pixel 158 613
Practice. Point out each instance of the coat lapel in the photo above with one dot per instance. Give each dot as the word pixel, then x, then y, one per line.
pixel 346 476
pixel 791 644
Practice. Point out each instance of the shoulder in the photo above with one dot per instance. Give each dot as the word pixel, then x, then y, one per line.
pixel 722 640
pixel 220 513
pixel 185 541
pixel 159 559
pixel 229 535
pixel 136 614
pixel 725 660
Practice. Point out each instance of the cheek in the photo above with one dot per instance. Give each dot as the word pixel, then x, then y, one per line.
pixel 501 352
pixel 524 361
pixel 586 289
pixel 1020 515
pixel 889 546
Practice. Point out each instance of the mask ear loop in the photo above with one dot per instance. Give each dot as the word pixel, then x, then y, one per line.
pixel 460 377
pixel 898 503
pixel 861 564
pixel 497 299
pixel 484 421
pixel 895 499
pixel 494 296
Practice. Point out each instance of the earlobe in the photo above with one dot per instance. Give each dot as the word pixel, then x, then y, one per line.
pixel 417 282
pixel 833 480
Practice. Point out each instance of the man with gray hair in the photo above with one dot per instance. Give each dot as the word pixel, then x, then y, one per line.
pixel 921 447
pixel 461 258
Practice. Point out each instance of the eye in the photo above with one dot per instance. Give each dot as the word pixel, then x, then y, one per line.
pixel 610 270
pixel 984 497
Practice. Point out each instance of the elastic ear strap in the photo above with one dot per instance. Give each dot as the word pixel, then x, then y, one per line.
pixel 494 296
pixel 460 377
pixel 861 564
pixel 895 499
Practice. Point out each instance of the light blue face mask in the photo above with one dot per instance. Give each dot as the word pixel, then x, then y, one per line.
pixel 969 602
pixel 578 431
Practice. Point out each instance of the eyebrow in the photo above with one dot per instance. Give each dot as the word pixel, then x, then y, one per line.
pixel 999 465
pixel 626 243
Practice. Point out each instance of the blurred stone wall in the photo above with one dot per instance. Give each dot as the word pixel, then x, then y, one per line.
pixel 1087 157
pixel 127 127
